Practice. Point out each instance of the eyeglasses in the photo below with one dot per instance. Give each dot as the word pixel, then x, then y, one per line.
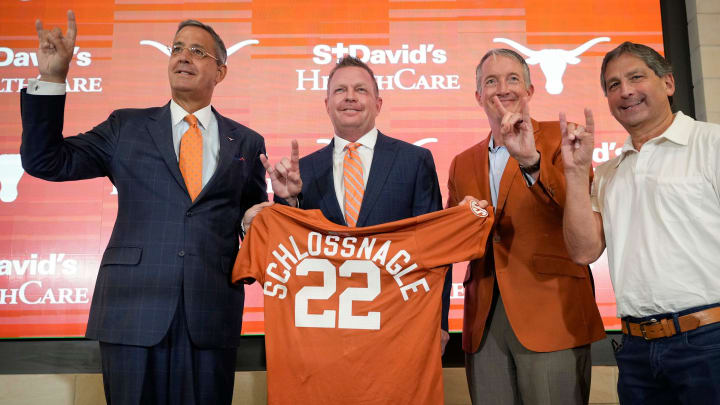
pixel 195 53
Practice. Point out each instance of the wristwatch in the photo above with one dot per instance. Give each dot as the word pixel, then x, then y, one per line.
pixel 532 168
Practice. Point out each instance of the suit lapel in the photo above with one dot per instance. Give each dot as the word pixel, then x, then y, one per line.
pixel 383 157
pixel 323 166
pixel 512 170
pixel 228 146
pixel 481 167
pixel 159 127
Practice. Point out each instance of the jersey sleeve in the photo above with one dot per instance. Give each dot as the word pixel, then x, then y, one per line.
pixel 458 234
pixel 248 265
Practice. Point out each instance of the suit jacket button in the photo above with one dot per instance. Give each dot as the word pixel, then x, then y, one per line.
pixel 188 214
pixel 181 253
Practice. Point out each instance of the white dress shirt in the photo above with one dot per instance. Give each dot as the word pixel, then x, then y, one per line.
pixel 365 151
pixel 660 208
pixel 206 121
pixel 498 156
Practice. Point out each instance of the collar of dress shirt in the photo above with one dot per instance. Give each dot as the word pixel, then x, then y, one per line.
pixel 368 140
pixel 678 132
pixel 178 113
pixel 491 145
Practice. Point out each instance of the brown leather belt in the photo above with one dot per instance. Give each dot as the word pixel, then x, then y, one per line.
pixel 654 329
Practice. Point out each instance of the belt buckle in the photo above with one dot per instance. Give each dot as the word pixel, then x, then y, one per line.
pixel 643 324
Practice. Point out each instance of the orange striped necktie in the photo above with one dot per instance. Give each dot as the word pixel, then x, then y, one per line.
pixel 191 150
pixel 353 182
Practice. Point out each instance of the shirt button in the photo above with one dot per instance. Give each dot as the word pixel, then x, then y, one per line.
pixel 181 253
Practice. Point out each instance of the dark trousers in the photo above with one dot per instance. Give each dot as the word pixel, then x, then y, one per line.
pixel 681 369
pixel 173 372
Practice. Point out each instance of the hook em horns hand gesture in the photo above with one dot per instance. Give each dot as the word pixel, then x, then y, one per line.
pixel 286 182
pixel 285 176
pixel 517 132
pixel 55 50
pixel 577 143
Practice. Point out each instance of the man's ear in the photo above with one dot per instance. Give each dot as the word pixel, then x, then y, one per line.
pixel 669 81
pixel 530 92
pixel 220 74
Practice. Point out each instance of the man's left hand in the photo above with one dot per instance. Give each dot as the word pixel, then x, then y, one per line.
pixel 444 339
pixel 577 144
pixel 285 177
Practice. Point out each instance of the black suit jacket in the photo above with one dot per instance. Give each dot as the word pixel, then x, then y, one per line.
pixel 164 247
pixel 402 183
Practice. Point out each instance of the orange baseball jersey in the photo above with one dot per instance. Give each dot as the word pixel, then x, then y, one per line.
pixel 352 315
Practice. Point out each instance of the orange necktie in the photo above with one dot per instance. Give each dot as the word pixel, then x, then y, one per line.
pixel 191 157
pixel 354 186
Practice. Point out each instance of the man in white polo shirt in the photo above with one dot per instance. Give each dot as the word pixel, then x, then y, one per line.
pixel 657 208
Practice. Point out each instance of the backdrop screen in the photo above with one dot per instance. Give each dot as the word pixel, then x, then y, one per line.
pixel 424 53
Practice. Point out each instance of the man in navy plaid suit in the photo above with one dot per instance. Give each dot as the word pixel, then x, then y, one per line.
pixel 164 310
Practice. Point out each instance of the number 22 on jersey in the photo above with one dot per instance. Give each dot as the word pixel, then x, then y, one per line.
pixel 327 319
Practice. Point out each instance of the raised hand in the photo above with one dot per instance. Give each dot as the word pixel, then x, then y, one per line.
pixel 285 176
pixel 55 51
pixel 578 143
pixel 517 132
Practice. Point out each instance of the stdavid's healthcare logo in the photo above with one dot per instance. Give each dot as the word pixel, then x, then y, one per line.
pixel 423 56
pixel 14 59
pixel 41 280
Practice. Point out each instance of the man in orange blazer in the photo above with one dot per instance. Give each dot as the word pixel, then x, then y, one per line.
pixel 530 312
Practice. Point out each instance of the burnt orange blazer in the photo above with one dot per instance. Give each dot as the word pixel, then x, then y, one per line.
pixel 548 299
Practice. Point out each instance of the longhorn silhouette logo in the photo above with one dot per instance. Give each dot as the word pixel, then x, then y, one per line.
pixel 166 50
pixel 553 62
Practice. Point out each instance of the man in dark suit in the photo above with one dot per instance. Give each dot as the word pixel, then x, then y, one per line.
pixel 166 315
pixel 391 179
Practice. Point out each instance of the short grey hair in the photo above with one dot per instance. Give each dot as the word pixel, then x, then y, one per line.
pixel 220 51
pixel 652 59
pixel 507 53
